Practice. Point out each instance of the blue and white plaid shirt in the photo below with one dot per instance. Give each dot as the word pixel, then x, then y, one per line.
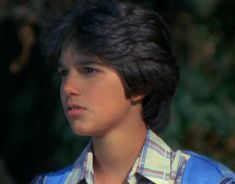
pixel 156 164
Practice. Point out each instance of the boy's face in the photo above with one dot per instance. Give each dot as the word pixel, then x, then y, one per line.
pixel 93 95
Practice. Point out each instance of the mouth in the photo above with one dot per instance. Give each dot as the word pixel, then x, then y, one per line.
pixel 74 110
pixel 73 107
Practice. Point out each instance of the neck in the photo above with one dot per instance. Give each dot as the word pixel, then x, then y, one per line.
pixel 116 153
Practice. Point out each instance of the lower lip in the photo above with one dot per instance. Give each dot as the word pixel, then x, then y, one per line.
pixel 74 112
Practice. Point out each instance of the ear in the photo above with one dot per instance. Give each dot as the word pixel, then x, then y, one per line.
pixel 137 98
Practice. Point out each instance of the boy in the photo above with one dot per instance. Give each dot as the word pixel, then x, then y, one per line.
pixel 118 79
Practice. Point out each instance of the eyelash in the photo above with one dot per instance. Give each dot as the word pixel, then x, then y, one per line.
pixel 63 73
pixel 87 71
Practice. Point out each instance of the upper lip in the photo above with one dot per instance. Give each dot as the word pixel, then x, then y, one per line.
pixel 70 105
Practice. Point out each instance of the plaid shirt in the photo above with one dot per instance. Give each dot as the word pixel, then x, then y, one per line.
pixel 157 164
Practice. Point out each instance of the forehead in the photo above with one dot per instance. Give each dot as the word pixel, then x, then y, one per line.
pixel 70 54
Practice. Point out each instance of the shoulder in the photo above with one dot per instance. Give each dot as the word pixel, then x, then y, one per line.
pixel 202 170
pixel 70 174
pixel 54 177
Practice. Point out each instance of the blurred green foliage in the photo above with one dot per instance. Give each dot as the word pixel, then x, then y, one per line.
pixel 34 134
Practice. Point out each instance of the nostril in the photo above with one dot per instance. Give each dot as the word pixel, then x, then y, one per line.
pixel 70 89
pixel 71 84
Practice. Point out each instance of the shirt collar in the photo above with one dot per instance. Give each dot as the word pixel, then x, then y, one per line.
pixel 157 162
pixel 84 165
pixel 154 162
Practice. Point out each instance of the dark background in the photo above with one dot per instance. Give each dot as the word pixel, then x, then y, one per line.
pixel 34 135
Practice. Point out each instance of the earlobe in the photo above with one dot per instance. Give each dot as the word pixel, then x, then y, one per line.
pixel 137 98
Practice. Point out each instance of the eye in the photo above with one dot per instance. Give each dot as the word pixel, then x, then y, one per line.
pixel 62 72
pixel 88 70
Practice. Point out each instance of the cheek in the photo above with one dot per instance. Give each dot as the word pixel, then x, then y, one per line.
pixel 108 97
pixel 62 96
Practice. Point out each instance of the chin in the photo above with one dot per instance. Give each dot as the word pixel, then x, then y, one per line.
pixel 86 132
pixel 80 132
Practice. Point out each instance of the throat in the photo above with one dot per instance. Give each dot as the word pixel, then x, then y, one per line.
pixel 114 157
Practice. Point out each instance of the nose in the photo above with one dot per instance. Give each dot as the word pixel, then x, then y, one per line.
pixel 70 86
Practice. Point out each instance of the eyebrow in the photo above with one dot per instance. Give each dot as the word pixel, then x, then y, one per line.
pixel 82 63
